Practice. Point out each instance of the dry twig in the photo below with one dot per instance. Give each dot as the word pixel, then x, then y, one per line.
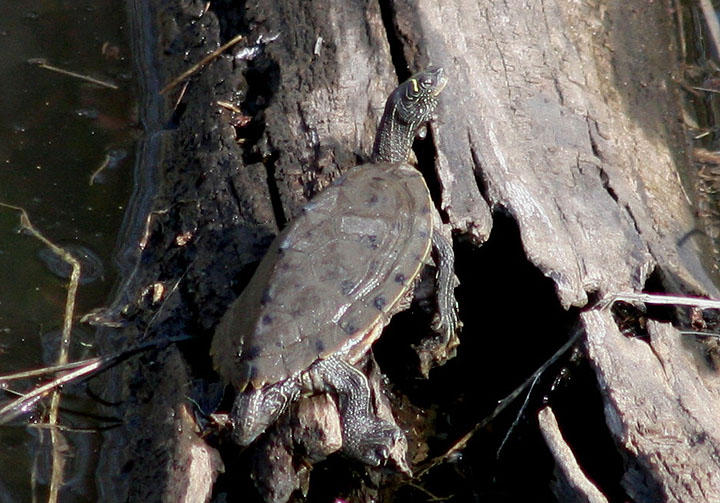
pixel 197 66
pixel 44 64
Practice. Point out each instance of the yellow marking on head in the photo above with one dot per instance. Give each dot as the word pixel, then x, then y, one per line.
pixel 415 85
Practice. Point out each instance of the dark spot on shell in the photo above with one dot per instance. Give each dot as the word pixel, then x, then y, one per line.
pixel 400 278
pixel 373 200
pixel 346 286
pixel 252 352
pixel 279 344
pixel 267 319
pixel 425 210
pixel 379 302
pixel 339 182
pixel 372 241
pixel 423 234
pixel 319 346
pixel 266 297
pixel 349 328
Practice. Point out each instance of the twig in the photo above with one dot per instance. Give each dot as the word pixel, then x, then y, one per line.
pixel 105 164
pixel 706 89
pixel 43 64
pixel 697 333
pixel 42 371
pixel 431 496
pixel 519 414
pixel 55 435
pixel 61 427
pixel 657 298
pixel 201 63
pixel 501 406
pixel 679 22
pixel 229 106
pixel 181 95
pixel 82 369
pixel 16 407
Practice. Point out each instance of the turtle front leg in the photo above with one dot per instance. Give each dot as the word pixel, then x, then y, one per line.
pixel 255 410
pixel 445 322
pixel 365 436
pixel 437 350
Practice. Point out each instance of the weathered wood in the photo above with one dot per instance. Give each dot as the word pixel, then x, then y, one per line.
pixel 552 107
pixel 198 219
pixel 560 113
pixel 332 72
pixel 662 400
pixel 312 101
pixel 571 484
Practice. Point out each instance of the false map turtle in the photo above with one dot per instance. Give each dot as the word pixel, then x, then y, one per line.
pixel 331 281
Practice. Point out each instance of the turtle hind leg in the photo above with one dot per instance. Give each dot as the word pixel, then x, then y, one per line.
pixel 365 436
pixel 255 410
pixel 437 350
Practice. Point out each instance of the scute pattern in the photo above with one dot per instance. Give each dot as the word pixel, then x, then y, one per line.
pixel 329 277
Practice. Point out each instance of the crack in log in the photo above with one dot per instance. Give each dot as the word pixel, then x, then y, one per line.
pixel 274 191
pixel 387 13
pixel 592 130
pixel 480 180
pixel 489 26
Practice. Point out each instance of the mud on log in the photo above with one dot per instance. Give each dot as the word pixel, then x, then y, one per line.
pixel 560 114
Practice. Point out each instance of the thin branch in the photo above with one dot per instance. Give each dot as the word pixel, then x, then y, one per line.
pixel 460 444
pixel 43 64
pixel 82 369
pixel 197 66
pixel 105 164
pixel 656 298
pixel 42 371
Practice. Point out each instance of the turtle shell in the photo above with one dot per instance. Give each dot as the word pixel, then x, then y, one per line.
pixel 331 280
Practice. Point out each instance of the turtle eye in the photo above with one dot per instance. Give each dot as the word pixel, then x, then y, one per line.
pixel 427 83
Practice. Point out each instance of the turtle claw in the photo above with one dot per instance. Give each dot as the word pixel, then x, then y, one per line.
pixel 446 324
pixel 373 444
pixel 437 350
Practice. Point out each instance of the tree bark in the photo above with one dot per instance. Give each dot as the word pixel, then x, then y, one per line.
pixel 563 115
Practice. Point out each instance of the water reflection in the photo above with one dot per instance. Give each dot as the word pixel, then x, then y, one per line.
pixel 66 150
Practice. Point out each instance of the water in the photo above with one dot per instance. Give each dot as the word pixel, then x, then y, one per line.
pixel 58 133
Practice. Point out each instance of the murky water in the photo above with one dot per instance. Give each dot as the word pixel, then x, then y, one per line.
pixel 66 155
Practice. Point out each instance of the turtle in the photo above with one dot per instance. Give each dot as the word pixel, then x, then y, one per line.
pixel 331 281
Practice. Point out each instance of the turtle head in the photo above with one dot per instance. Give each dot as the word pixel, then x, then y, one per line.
pixel 415 99
pixel 409 106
